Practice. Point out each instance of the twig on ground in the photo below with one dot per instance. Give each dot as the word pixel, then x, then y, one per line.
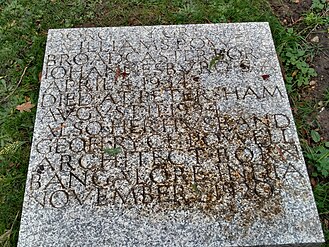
pixel 5 237
pixel 18 84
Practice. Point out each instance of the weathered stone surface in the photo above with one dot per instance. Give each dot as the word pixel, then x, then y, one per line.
pixel 166 136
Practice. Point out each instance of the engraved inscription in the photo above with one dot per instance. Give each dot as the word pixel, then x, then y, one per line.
pixel 178 144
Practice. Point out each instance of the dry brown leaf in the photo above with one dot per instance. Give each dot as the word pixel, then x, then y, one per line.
pixel 25 107
pixel 265 77
pixel 40 76
pixel 313 182
pixel 294 73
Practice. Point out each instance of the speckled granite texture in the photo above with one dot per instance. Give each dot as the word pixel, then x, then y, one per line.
pixel 166 136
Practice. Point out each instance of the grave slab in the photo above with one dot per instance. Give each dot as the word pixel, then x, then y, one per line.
pixel 166 136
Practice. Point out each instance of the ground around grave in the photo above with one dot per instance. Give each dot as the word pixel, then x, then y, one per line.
pixel 292 14
pixel 297 14
pixel 301 38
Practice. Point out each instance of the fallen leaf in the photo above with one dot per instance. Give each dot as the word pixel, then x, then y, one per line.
pixel 296 1
pixel 265 77
pixel 25 107
pixel 40 76
pixel 14 165
pixel 18 67
pixel 294 73
pixel 313 182
pixel 315 136
pixel 325 222
pixel 112 151
pixel 27 98
pixel 216 59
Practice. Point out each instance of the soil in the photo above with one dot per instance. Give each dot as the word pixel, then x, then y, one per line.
pixel 321 65
pixel 291 14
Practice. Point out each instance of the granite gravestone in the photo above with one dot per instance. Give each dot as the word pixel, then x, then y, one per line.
pixel 166 136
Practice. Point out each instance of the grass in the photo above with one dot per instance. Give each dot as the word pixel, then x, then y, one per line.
pixel 321 194
pixel 23 31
